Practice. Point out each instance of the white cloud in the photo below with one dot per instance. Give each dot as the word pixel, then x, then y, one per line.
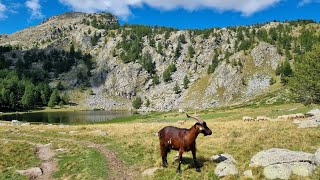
pixel 3 9
pixel 304 2
pixel 122 7
pixel 35 8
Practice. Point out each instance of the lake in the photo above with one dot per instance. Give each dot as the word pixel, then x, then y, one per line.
pixel 75 117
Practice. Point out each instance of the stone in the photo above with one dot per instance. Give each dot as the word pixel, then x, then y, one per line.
pixel 277 171
pixel 310 123
pixel 226 168
pixel 317 157
pixel 103 134
pixel 314 112
pixel 15 122
pixel 31 173
pixel 248 174
pixel 222 157
pixel 261 130
pixel 150 171
pixel 302 168
pixel 25 124
pixel 277 156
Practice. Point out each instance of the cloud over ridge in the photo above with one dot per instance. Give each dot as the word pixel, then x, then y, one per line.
pixel 122 7
pixel 35 8
pixel 3 8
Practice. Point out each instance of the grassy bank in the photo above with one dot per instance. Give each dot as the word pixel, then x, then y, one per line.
pixel 135 143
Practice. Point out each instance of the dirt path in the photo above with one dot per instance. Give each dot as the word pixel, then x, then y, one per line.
pixel 48 163
pixel 116 168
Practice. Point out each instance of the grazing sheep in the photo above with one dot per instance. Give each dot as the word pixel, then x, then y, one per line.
pixel 300 115
pixel 262 118
pixel 247 118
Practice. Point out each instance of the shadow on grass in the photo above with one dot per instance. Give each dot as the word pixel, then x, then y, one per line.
pixel 190 163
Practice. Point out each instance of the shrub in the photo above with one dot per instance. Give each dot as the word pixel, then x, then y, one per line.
pixel 137 103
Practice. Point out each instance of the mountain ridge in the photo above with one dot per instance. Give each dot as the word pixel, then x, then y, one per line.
pixel 223 65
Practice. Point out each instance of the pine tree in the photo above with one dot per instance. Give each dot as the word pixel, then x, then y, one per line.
pixel 186 82
pixel 177 89
pixel 305 84
pixel 137 103
pixel 191 51
pixel 54 99
pixel 28 96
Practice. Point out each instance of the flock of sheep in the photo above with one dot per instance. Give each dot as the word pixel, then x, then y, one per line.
pixel 264 118
pixel 284 117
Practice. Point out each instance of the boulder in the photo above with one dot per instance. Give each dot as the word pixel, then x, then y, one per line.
pixel 32 173
pixel 310 123
pixel 277 171
pixel 278 156
pixel 226 168
pixel 302 168
pixel 222 157
pixel 317 155
pixel 314 112
pixel 15 122
pixel 150 171
pixel 248 174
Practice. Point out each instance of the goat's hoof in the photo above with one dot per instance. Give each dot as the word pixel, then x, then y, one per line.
pixel 179 171
pixel 198 169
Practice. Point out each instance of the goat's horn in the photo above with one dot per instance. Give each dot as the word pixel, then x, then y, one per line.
pixel 196 118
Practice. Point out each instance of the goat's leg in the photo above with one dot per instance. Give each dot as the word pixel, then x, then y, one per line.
pixel 164 153
pixel 180 159
pixel 195 160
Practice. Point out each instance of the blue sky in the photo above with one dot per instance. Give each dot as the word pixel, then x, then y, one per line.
pixel 19 14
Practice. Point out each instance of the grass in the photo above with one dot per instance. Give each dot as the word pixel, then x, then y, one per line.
pixel 14 156
pixel 83 164
pixel 134 141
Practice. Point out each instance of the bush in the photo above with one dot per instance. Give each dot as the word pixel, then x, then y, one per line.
pixel 137 103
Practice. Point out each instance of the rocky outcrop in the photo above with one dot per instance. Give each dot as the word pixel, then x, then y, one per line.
pixel 265 53
pixel 281 163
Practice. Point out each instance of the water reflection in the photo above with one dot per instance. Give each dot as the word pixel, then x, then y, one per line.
pixel 67 117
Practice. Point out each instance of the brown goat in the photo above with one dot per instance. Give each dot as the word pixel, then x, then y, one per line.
pixel 182 140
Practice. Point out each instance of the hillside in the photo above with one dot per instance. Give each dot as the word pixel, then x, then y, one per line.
pixel 109 65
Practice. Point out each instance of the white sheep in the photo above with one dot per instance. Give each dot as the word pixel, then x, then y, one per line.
pixel 247 118
pixel 263 118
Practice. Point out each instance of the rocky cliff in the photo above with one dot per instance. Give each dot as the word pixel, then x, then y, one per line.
pixel 240 73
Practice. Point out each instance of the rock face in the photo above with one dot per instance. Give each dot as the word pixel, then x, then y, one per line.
pixel 281 163
pixel 226 166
